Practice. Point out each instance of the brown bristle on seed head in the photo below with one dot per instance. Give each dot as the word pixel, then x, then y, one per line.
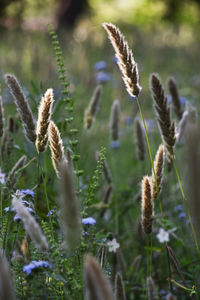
pixel 56 146
pixel 119 288
pixel 114 120
pixel 97 286
pixel 125 59
pixel 93 107
pixel 147 205
pixel 44 116
pixel 140 142
pixel 167 128
pixel 151 289
pixel 172 86
pixel 22 106
pixel 158 167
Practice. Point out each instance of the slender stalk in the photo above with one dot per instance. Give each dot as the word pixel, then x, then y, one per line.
pixel 170 274
pixel 151 158
pixel 188 212
pixel 44 179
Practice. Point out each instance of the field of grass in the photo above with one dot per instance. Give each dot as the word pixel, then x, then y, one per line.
pixel 114 236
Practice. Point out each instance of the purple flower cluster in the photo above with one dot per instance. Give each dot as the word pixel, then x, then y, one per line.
pixel 36 264
pixel 114 144
pixel 101 76
pixel 179 209
pixel 89 221
pixel 28 192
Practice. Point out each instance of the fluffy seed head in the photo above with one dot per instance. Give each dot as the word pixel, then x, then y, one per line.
pixel 56 146
pixel 167 128
pixel 158 167
pixel 189 117
pixel 11 179
pixel 44 116
pixel 114 120
pixel 147 205
pixel 151 289
pixel 140 140
pixel 97 286
pixel 125 58
pixel 22 106
pixel 69 206
pixel 93 107
pixel 172 86
pixel 30 224
pixel 119 288
pixel 6 286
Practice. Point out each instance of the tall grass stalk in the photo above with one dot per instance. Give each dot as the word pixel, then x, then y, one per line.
pixel 151 158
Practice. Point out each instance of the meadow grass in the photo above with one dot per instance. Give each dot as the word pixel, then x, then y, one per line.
pixel 84 215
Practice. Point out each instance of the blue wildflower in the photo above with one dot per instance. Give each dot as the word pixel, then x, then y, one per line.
pixel 16 218
pixel 115 59
pixel 28 192
pixel 114 144
pixel 100 65
pixel 36 264
pixel 7 209
pixel 128 120
pixel 51 212
pixel 102 77
pixel 182 215
pixel 89 221
pixel 183 100
pixel 131 98
pixel 178 208
pixel 26 202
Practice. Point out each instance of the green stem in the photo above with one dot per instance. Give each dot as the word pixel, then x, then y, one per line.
pixel 188 212
pixel 44 179
pixel 151 159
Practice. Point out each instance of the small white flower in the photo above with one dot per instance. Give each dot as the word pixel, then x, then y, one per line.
pixel 2 177
pixel 163 236
pixel 113 245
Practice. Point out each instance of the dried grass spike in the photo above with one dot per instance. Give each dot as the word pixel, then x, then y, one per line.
pixel 22 106
pixel 97 286
pixel 147 205
pixel 119 288
pixel 159 168
pixel 140 142
pixel 6 285
pixel 69 206
pixel 44 116
pixel 167 128
pixel 151 289
pixel 172 86
pixel 125 58
pixel 56 146
pixel 1 117
pixel 19 164
pixel 189 116
pixel 30 224
pixel 114 120
pixel 93 107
